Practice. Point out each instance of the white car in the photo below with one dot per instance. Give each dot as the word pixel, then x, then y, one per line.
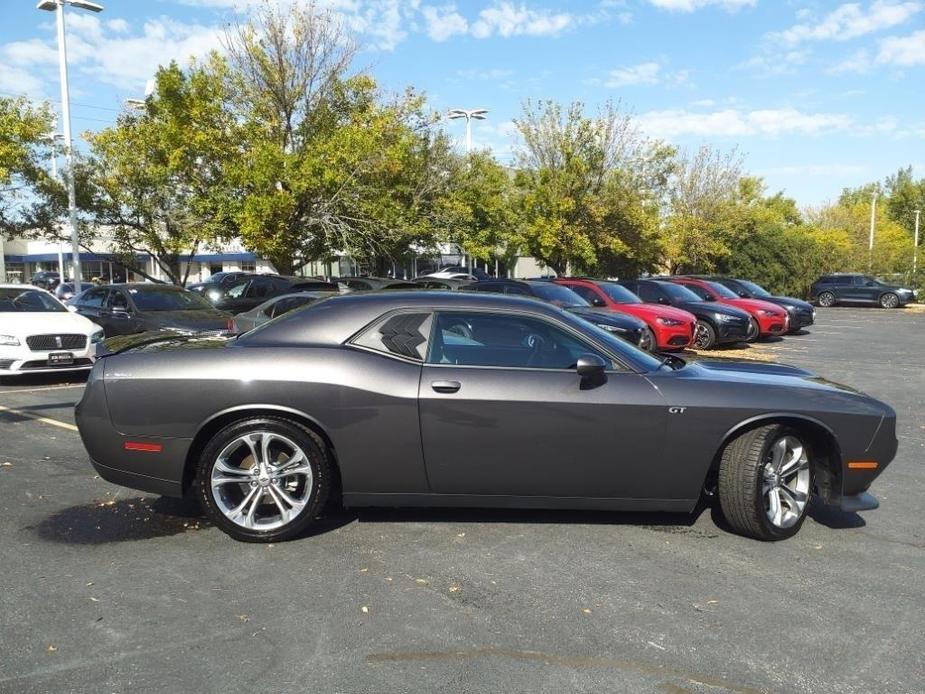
pixel 38 334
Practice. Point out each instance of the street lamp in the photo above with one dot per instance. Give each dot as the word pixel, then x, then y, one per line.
pixel 873 219
pixel 469 115
pixel 915 243
pixel 53 138
pixel 57 6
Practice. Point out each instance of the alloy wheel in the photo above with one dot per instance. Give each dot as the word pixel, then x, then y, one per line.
pixel 701 336
pixel 786 481
pixel 889 301
pixel 261 480
pixel 826 299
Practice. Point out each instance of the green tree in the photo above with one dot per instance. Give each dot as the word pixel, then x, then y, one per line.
pixel 156 184
pixel 588 188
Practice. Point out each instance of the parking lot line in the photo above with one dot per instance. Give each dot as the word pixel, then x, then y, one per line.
pixel 39 418
pixel 39 390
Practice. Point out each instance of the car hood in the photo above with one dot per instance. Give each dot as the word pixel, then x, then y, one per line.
pixel 608 317
pixel 186 321
pixel 653 311
pixel 753 305
pixel 714 307
pixel 23 324
pixel 162 341
pixel 763 373
pixel 789 302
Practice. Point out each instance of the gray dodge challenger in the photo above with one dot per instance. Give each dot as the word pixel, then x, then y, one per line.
pixel 462 399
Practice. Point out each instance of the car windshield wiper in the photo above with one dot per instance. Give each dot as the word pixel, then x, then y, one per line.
pixel 673 362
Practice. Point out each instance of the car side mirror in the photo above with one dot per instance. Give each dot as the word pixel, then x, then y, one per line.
pixel 592 371
pixel 708 297
pixel 664 300
pixel 744 295
pixel 72 308
pixel 597 301
pixel 120 309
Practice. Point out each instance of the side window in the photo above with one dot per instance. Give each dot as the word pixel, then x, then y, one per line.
pixel 826 280
pixel 260 288
pixel 358 285
pixel 843 281
pixel 117 300
pixel 93 298
pixel 515 289
pixel 402 334
pixel 236 291
pixel 286 305
pixel 484 339
pixel 587 294
pixel 699 291
pixel 648 293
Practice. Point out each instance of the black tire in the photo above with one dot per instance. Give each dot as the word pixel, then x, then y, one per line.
pixel 889 300
pixel 754 330
pixel 704 335
pixel 647 341
pixel 826 299
pixel 741 479
pixel 315 451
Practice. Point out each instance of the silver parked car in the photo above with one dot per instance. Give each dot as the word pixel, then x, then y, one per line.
pixel 274 307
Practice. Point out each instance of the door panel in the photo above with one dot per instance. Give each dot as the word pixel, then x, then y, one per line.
pixel 529 432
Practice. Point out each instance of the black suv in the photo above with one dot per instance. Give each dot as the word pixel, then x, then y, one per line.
pixel 849 288
pixel 627 327
pixel 246 291
pixel 802 314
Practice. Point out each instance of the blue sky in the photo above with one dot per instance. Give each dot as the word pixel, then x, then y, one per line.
pixel 817 95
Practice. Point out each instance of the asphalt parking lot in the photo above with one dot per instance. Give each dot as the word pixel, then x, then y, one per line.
pixel 106 589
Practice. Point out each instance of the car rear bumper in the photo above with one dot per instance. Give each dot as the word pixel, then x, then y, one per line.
pixel 134 480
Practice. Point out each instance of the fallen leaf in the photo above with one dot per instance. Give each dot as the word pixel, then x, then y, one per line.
pixel 454 588
pixel 6 464
pixel 92 599
pixel 712 602
pixel 244 618
pixel 52 648
pixel 461 535
pixel 363 570
pixel 420 581
pixel 586 611
pixel 364 609
pixel 89 584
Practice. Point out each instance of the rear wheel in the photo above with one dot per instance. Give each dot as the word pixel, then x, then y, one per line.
pixel 765 482
pixel 704 335
pixel 264 479
pixel 889 300
pixel 826 299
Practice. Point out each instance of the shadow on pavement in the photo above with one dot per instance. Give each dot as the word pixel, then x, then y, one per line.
pixel 45 379
pixel 138 518
pixel 835 518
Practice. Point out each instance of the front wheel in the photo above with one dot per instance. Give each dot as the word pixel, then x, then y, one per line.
pixel 889 300
pixel 647 341
pixel 754 330
pixel 264 479
pixel 765 482
pixel 704 335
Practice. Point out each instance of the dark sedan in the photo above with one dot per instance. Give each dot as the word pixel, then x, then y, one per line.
pixel 717 324
pixel 244 292
pixel 627 327
pixel 368 284
pixel 126 309
pixel 465 399
pixel 801 313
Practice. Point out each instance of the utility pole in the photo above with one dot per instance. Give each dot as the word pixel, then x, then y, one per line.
pixel 873 220
pixel 469 115
pixel 53 138
pixel 57 6
pixel 915 244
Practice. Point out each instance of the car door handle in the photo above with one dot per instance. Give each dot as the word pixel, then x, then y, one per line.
pixel 445 386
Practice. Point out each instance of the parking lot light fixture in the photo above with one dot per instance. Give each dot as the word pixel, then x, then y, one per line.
pixel 57 6
pixel 469 115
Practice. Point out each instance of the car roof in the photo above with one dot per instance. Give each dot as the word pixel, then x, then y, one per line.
pixel 335 319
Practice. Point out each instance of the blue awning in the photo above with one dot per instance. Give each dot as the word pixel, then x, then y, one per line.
pixel 51 257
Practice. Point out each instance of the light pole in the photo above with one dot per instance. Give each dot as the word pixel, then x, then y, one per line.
pixel 870 245
pixel 915 243
pixel 57 6
pixel 53 138
pixel 469 115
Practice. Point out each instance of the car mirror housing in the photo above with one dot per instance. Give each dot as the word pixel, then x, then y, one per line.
pixel 592 371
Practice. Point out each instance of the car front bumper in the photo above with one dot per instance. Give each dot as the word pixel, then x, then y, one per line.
pixel 20 361
pixel 732 332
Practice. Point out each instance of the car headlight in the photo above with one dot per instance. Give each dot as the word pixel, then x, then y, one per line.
pixel 9 340
pixel 768 314
pixel 669 321
pixel 725 318
pixel 97 337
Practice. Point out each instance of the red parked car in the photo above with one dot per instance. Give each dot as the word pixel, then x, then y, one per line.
pixel 769 318
pixel 671 328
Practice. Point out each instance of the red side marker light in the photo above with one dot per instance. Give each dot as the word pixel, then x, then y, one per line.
pixel 143 447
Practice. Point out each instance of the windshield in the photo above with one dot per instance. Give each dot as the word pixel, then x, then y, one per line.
pixel 679 293
pixel 638 356
pixel 619 293
pixel 167 299
pixel 557 294
pixel 14 300
pixel 722 290
pixel 754 289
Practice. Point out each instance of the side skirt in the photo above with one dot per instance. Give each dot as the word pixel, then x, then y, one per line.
pixel 505 501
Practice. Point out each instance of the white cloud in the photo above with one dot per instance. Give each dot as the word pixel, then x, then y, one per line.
pixel 490 75
pixel 444 22
pixel 737 123
pixel 903 50
pixel 691 5
pixel 19 81
pixel 856 63
pixel 643 73
pixel 851 20
pixel 509 19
